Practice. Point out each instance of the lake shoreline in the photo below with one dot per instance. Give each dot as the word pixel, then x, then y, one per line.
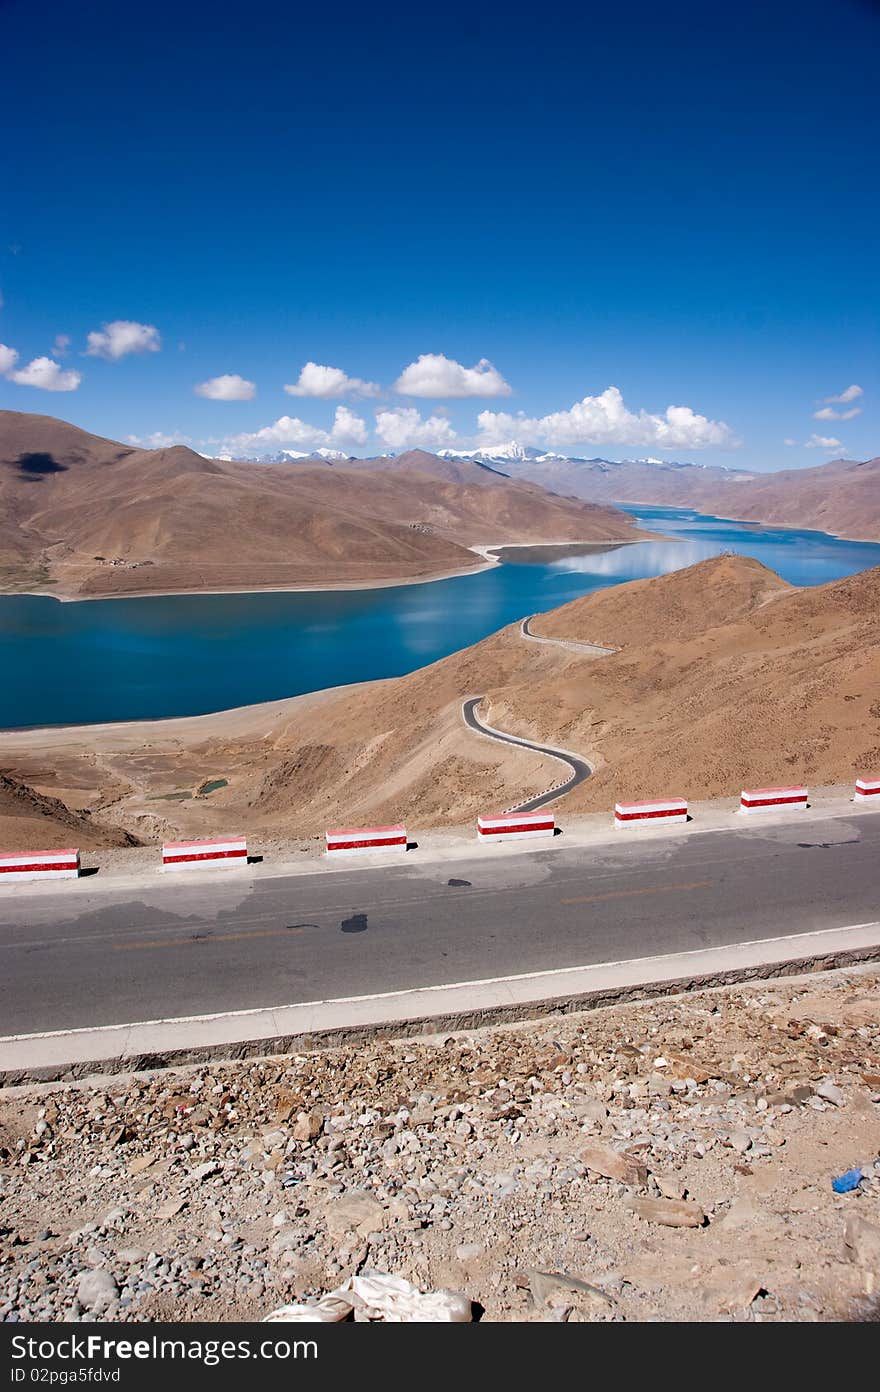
pixel 489 562
pixel 147 667
pixel 750 521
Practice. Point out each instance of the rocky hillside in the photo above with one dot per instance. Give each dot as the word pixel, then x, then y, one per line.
pixel 669 1160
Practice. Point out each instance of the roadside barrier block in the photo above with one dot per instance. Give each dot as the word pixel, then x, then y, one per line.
pixel 664 811
pixel 190 855
pixel 778 799
pixel 365 840
pixel 515 826
pixel 38 865
pixel 867 790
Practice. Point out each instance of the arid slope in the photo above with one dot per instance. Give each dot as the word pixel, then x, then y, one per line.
pixel 31 821
pixel 725 676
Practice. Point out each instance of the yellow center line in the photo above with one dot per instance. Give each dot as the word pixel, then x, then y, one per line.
pixel 208 938
pixel 631 893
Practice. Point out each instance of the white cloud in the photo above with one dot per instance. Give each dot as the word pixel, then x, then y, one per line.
pixel 605 420
pixel 851 394
pixel 789 441
pixel 8 359
pixel 121 337
pixel 289 431
pixel 348 429
pixel 434 375
pixel 61 345
pixel 829 413
pixel 826 442
pixel 326 382
pixel 158 440
pixel 46 374
pixel 228 387
pixel 402 427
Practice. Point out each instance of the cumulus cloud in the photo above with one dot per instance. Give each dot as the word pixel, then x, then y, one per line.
pixel 8 359
pixel 348 428
pixel 158 440
pixel 46 374
pixel 289 432
pixel 228 387
pixel 851 394
pixel 826 442
pixel 829 413
pixel 605 420
pixel 434 375
pixel 402 427
pixel 321 381
pixel 123 336
pixel 61 345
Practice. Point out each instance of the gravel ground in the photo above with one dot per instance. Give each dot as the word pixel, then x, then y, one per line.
pixel 669 1160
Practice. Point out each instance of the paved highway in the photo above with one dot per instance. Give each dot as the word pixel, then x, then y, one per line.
pixel 86 956
pixel 580 769
pixel 569 644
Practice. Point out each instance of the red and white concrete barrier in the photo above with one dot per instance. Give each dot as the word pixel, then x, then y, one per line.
pixel 188 855
pixel 359 840
pixel 39 865
pixel 515 826
pixel 867 790
pixel 650 813
pixel 777 799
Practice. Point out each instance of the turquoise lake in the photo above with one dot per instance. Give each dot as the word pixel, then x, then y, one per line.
pixel 128 659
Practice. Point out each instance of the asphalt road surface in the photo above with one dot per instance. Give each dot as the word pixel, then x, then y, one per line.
pixel 85 957
pixel 580 769
pixel 569 644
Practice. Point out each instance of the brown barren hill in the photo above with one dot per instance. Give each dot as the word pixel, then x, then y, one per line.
pixel 842 497
pixel 676 606
pixel 89 517
pixel 725 677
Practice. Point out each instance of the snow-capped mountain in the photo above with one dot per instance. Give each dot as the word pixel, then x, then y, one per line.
pixel 288 456
pixel 672 482
pixel 511 453
pixel 514 453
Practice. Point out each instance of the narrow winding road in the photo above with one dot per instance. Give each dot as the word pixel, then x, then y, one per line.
pixel 591 649
pixel 580 769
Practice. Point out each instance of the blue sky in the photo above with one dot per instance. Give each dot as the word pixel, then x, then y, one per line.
pixel 550 226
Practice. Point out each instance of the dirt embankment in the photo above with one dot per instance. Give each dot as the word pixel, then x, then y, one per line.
pixel 30 820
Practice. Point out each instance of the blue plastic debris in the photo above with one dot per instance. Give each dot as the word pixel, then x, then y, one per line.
pixel 845 1182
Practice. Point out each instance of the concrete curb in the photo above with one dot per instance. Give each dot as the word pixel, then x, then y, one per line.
pixel 588 831
pixel 460 1005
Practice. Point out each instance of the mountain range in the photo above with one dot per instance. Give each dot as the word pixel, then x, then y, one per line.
pixel 841 497
pixel 84 516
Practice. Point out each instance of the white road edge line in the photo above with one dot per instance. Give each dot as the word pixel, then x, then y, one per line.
pixel 423 990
